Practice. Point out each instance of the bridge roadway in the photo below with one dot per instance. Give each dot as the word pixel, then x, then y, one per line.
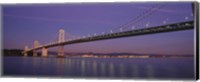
pixel 151 30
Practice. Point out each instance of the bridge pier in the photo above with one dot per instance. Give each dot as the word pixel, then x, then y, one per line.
pixel 25 54
pixel 34 53
pixel 25 51
pixel 61 51
pixel 44 52
pixel 36 44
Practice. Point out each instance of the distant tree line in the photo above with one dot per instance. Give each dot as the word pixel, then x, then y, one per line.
pixel 12 52
pixel 18 52
pixel 15 52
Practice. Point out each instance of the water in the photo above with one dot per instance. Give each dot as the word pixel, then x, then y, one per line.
pixel 137 68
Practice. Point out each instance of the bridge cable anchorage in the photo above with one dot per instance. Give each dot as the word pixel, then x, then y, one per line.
pixel 140 17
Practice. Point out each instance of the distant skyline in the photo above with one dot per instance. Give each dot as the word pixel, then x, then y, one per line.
pixel 22 24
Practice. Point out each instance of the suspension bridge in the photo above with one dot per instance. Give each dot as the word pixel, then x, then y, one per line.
pixel 178 26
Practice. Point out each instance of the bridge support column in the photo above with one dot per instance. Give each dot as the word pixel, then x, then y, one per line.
pixel 25 51
pixel 44 52
pixel 34 53
pixel 61 51
pixel 36 44
pixel 25 54
pixel 61 38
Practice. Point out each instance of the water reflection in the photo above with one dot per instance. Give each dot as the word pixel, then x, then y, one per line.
pixel 82 67
pixel 44 60
pixel 135 72
pixel 103 69
pixel 24 60
pixel 94 68
pixel 150 71
pixel 111 70
pixel 35 62
pixel 122 70
pixel 172 71
pixel 60 62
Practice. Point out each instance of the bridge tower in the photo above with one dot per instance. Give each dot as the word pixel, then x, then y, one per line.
pixel 61 38
pixel 25 51
pixel 44 52
pixel 36 44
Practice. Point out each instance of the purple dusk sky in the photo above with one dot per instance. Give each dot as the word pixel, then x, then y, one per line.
pixel 22 24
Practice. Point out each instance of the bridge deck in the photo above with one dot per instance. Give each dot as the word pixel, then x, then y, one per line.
pixel 152 30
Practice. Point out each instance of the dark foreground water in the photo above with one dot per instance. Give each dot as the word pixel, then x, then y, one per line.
pixel 137 68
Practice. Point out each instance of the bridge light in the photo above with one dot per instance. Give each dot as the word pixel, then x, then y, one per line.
pixel 187 24
pixel 121 29
pixel 168 26
pixel 111 31
pixel 164 22
pixel 147 25
pixel 133 27
pixel 191 14
pixel 186 18
pixel 88 35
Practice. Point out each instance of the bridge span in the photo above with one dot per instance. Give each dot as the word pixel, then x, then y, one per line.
pixel 151 30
